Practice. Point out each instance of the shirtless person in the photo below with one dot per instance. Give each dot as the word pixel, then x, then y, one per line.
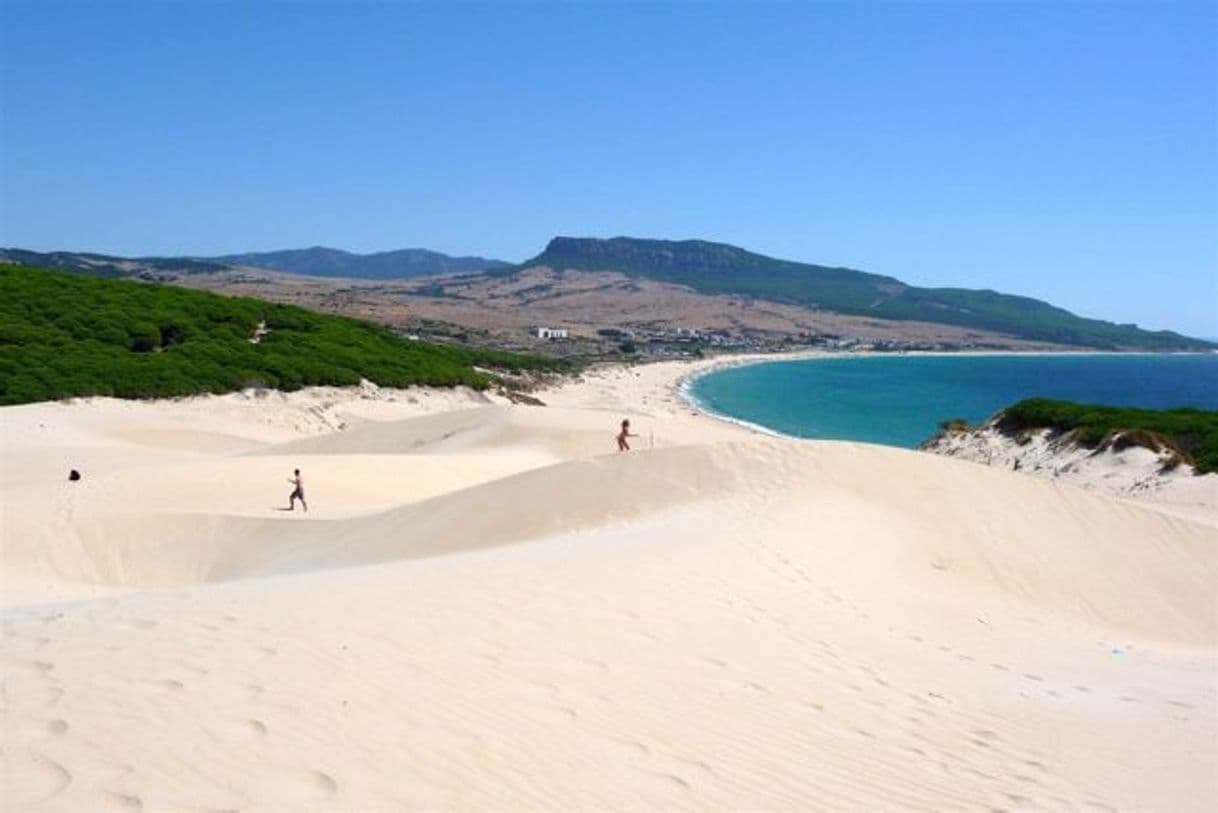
pixel 298 491
pixel 622 444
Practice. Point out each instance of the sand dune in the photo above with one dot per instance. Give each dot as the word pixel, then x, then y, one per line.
pixel 488 608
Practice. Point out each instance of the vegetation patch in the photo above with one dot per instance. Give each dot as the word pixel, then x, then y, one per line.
pixel 1189 435
pixel 65 335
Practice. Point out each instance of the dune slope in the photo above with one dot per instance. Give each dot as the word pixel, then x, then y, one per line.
pixel 485 610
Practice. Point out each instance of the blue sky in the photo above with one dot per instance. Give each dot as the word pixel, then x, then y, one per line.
pixel 1063 151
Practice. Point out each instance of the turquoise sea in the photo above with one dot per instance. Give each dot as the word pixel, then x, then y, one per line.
pixel 900 400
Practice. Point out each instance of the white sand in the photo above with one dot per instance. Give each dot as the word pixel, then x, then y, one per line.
pixel 488 608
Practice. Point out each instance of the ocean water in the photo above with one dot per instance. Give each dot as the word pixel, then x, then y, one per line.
pixel 900 400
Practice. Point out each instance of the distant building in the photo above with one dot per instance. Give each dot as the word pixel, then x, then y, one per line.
pixel 550 332
pixel 615 333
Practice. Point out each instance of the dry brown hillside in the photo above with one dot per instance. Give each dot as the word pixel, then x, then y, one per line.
pixel 503 308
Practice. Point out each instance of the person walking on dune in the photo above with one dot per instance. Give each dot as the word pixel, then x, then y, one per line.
pixel 298 491
pixel 622 444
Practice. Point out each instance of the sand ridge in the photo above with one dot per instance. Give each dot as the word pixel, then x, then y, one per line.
pixel 488 607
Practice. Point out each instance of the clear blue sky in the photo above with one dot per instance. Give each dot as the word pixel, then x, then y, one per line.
pixel 1064 151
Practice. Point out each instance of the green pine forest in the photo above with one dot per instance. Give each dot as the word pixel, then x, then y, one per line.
pixel 64 335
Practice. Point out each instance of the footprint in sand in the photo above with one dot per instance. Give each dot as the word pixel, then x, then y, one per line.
pixel 122 801
pixel 669 780
pixel 596 664
pixel 31 730
pixel 32 779
pixel 35 642
pixel 10 666
pixel 295 787
pixel 698 765
pixel 29 687
pixel 238 730
pixel 1021 802
pixel 141 623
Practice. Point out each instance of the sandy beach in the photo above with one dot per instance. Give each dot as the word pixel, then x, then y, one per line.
pixel 487 607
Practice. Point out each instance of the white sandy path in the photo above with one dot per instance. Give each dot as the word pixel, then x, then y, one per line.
pixel 721 622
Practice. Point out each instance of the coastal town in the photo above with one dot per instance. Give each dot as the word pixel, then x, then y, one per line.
pixel 683 342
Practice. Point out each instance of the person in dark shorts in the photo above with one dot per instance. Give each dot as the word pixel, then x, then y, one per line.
pixel 297 492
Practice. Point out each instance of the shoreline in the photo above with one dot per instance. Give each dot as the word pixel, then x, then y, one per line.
pixel 692 369
pixel 668 382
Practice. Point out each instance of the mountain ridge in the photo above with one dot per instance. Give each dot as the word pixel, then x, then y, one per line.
pixel 721 268
pixel 703 266
pixel 323 261
pixel 315 261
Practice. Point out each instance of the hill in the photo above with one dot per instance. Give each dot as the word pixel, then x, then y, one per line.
pixel 639 284
pixel 331 262
pixel 108 265
pixel 314 262
pixel 717 268
pixel 64 334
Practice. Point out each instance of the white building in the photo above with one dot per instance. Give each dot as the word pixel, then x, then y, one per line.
pixel 550 332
